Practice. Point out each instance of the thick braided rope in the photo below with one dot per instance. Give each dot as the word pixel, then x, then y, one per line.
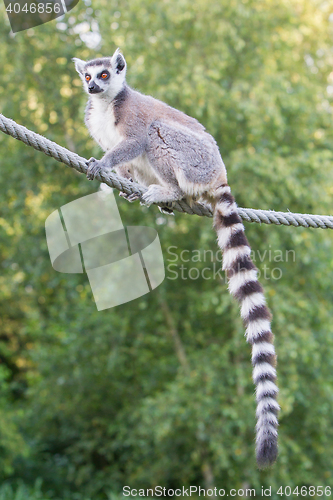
pixel 75 161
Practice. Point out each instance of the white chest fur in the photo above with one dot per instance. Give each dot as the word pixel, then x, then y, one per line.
pixel 100 120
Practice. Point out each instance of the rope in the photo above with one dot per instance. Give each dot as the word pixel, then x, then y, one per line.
pixel 50 148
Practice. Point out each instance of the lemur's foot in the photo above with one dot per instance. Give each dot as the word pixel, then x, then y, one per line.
pixel 94 167
pixel 161 194
pixel 167 209
pixel 130 197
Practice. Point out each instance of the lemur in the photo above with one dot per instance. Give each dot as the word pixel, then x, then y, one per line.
pixel 175 157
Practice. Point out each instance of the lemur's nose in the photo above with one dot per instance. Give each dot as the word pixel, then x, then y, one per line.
pixel 93 88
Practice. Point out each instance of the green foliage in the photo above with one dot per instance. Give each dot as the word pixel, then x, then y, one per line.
pixel 159 391
pixel 23 492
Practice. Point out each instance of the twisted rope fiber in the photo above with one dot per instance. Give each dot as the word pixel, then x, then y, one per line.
pixel 50 148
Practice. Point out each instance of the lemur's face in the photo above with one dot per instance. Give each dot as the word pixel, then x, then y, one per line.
pixel 97 77
pixel 105 76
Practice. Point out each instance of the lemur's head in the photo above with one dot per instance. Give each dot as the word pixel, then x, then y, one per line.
pixel 105 76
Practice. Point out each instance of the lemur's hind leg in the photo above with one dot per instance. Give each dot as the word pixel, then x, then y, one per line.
pixel 183 158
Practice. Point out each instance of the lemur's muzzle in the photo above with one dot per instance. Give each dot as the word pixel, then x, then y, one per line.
pixel 93 88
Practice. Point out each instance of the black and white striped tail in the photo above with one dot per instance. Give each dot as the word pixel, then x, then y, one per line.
pixel 244 285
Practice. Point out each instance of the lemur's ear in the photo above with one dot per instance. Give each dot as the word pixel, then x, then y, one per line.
pixel 118 62
pixel 79 65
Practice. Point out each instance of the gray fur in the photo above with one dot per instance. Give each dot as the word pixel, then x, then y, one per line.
pixel 172 154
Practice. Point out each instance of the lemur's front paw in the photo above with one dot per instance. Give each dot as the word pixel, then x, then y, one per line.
pixel 130 197
pixel 94 167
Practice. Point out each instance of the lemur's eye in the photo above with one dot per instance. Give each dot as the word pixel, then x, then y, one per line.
pixel 104 75
pixel 88 77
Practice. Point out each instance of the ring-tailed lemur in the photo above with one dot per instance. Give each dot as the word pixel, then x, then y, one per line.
pixel 173 155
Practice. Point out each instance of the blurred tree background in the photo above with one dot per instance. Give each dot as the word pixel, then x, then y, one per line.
pixel 158 391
